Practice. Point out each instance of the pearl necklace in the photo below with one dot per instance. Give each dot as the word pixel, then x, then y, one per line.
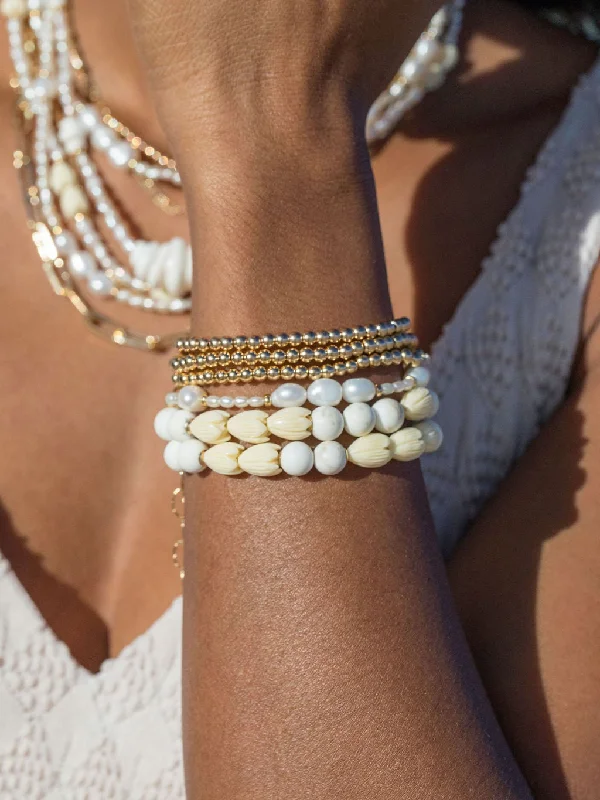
pixel 87 248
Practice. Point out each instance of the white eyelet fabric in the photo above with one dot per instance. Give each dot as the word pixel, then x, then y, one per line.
pixel 501 368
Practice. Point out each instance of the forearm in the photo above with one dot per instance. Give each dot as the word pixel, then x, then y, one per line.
pixel 322 654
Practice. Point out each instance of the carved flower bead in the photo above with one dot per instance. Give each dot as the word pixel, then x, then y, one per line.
pixel 249 426
pixel 261 459
pixel 420 403
pixel 211 427
pixel 290 423
pixel 372 450
pixel 407 444
pixel 223 458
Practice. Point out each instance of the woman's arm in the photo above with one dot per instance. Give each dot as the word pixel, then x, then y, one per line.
pixel 323 657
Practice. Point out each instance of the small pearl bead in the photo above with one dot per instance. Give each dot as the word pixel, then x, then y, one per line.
pixel 81 264
pixel 171 399
pixel 102 138
pixel 120 153
pixel 324 392
pixel 226 402
pixel 256 401
pixel 100 284
pixel 359 419
pixel 330 458
pixel 65 243
pixel 241 402
pixel 212 401
pixel 403 386
pixel 358 390
pixel 296 458
pixel 288 395
pixel 190 398
pixel 90 117
pixel 387 388
pixel 327 423
pixel 432 435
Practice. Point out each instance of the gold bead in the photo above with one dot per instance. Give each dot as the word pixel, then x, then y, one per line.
pixel 379 345
pixel 406 355
pixel 223 358
pixel 190 361
pixel 357 348
pixel 378 392
pixel 293 355
pixel 295 338
pixel 185 379
pixel 203 344
pixel 282 339
pixel 314 372
pixel 333 352
pixel 268 340
pixel 215 343
pixel 208 376
pixel 417 356
pixel 246 375
pixel 287 373
pixel 212 359
pixel 345 351
pixel 335 336
pixel 375 360
pixel 254 341
pixel 264 357
pixel 273 373
pixel 260 373
pixel 372 330
pixel 300 372
pixel 340 368
pixel 397 356
pixel 320 354
pixel 226 342
pixel 250 357
pixel 388 342
pixel 174 363
pixel 363 362
pixel 327 371
pixel 309 338
pixel 323 337
pixel 179 344
pixel 401 323
pixel 175 378
pixel 237 358
pixel 200 361
pixel 233 376
pixel 267 401
pixel 347 334
pixel 307 354
pixel 411 339
pixel 279 356
pixel 221 376
pixel 360 332
pixel 240 342
pixel 351 367
pixel 386 359
pixel 370 345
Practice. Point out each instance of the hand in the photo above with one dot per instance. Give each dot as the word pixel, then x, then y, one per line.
pixel 262 62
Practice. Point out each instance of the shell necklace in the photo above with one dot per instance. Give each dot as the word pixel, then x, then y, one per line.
pixel 88 250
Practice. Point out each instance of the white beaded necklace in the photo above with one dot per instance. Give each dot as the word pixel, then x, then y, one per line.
pixel 83 240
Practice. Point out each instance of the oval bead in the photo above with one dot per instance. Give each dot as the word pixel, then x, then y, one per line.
pixel 358 390
pixel 327 423
pixel 61 175
pixel 407 444
pixel 189 456
pixel 389 415
pixel 72 201
pixel 359 419
pixel 421 375
pixel 420 403
pixel 261 459
pixel 249 426
pixel 190 398
pixel 211 427
pixel 288 395
pixel 171 456
pixel 290 423
pixel 161 423
pixel 297 459
pixel 178 425
pixel 432 435
pixel 223 458
pixel 330 458
pixel 324 392
pixel 370 451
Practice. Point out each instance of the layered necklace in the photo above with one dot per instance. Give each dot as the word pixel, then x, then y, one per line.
pixel 89 251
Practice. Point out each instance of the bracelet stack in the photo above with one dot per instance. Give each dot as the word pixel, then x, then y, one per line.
pixel 326 354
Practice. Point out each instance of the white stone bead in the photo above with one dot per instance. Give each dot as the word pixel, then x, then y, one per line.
pixel 141 257
pixel 327 423
pixel 211 427
pixel 288 395
pixel 100 284
pixel 290 423
pixel 120 153
pixel 420 403
pixel 171 399
pixel 213 401
pixel 226 401
pixel 223 458
pixel 370 451
pixel 421 375
pixel 189 456
pixel 358 390
pixel 102 137
pixel 81 264
pixel 389 415
pixel 61 175
pixel 190 398
pixel 161 423
pixel 261 459
pixel 241 402
pixel 359 419
pixel 255 401
pixel 171 456
pixel 177 425
pixel 297 458
pixel 330 458
pixel 432 435
pixel 13 8
pixel 407 444
pixel 173 276
pixel 324 392
pixel 71 134
pixel 249 426
pixel 89 117
pixel 72 201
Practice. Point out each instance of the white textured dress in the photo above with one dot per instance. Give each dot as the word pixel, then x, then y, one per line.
pixel 501 367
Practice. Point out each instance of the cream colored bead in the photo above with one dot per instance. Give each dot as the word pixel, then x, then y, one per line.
pixel 372 450
pixel 61 176
pixel 290 423
pixel 249 426
pixel 432 435
pixel 13 8
pixel 261 459
pixel 389 415
pixel 73 200
pixel 407 444
pixel 211 427
pixel 420 403
pixel 223 458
